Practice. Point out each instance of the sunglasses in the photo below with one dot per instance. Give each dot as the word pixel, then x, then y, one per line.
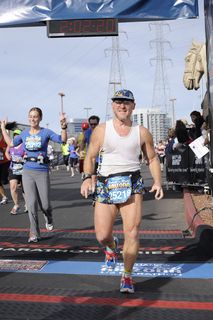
pixel 123 101
pixel 93 124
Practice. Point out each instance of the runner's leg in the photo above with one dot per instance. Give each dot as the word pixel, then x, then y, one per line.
pixel 43 186
pixel 31 197
pixel 14 191
pixel 104 218
pixel 131 213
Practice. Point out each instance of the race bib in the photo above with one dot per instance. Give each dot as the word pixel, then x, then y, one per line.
pixel 33 143
pixel 17 168
pixel 120 188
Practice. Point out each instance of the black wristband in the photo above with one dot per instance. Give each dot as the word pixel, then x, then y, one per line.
pixel 86 176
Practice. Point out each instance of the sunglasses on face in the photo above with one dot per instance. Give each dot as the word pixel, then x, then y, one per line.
pixel 93 124
pixel 125 102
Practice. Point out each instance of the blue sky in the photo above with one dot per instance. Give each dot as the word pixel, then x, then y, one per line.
pixel 34 69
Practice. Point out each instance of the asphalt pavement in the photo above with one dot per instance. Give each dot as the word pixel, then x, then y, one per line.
pixel 72 211
pixel 63 276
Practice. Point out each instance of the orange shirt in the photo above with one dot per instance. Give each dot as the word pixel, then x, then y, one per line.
pixel 3 147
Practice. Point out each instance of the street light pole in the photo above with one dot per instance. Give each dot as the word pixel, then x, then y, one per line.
pixel 173 110
pixel 87 111
pixel 62 95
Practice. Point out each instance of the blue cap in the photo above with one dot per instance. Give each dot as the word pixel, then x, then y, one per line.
pixel 123 95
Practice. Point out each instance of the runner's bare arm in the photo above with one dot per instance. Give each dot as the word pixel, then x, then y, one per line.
pixel 153 162
pixel 6 136
pixel 7 153
pixel 96 141
pixel 63 123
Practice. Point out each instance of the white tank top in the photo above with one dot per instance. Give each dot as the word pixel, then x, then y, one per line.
pixel 119 154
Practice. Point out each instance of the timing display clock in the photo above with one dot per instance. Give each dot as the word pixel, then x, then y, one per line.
pixel 82 28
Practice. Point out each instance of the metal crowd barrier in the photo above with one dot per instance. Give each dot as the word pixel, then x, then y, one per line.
pixel 58 159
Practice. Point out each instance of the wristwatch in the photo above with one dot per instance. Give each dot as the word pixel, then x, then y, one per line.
pixel 86 176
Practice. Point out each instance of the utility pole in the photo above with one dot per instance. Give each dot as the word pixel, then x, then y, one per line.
pixel 173 110
pixel 62 95
pixel 161 90
pixel 87 111
pixel 116 78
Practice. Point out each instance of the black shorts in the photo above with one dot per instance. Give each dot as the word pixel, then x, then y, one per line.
pixel 161 159
pixel 73 162
pixel 12 176
pixel 17 177
pixel 4 167
pixel 66 160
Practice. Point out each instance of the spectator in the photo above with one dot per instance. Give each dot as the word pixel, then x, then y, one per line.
pixel 170 142
pixel 198 122
pixel 160 150
pixel 182 136
pixel 206 131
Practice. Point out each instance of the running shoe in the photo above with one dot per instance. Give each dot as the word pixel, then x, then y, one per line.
pixel 127 285
pixel 48 223
pixel 49 226
pixel 111 257
pixel 15 210
pixel 33 239
pixel 4 200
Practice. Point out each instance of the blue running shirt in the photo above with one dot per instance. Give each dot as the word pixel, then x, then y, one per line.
pixel 35 145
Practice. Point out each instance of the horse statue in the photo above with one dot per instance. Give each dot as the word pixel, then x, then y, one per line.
pixel 195 66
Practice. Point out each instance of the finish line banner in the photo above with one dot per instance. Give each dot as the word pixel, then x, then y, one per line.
pixel 35 12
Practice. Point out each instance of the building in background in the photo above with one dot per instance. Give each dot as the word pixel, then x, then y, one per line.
pixel 74 127
pixel 155 120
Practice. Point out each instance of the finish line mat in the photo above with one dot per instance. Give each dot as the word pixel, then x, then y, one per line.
pixel 84 247
pixel 21 265
pixel 185 250
pixel 147 270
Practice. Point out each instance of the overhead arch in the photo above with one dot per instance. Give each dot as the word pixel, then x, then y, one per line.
pixel 37 12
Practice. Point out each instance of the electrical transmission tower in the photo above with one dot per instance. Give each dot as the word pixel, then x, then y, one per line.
pixel 161 89
pixel 116 78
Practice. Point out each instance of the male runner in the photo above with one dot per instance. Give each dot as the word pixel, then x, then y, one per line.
pixel 119 184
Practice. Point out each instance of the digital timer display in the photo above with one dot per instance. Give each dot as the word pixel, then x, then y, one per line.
pixel 82 28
